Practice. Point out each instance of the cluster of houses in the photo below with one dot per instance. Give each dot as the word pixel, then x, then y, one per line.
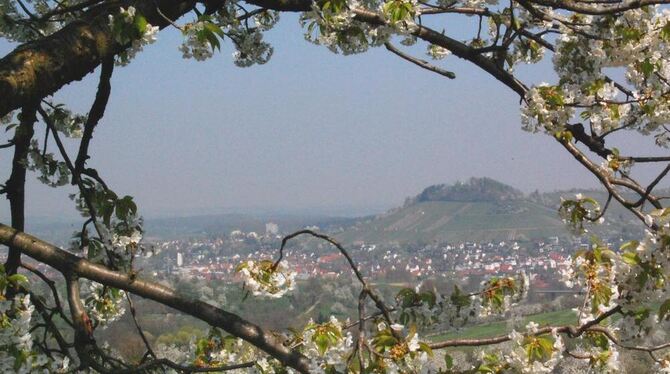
pixel 218 258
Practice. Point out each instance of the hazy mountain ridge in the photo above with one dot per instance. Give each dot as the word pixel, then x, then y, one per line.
pixel 223 224
pixel 480 209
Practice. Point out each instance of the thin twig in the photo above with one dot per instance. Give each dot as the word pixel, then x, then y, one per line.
pixel 651 186
pixel 373 295
pixel 73 8
pixel 419 62
pixel 52 286
pixel 76 177
pixel 96 112
pixel 166 18
pixel 131 306
pixel 361 329
pixel 185 369
pixel 603 210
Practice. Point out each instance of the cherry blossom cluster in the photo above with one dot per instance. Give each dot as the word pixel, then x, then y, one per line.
pixel 218 349
pixel 533 353
pixel 130 27
pixel 202 37
pixel 332 24
pixel 636 42
pixel 51 171
pixel 104 304
pixel 545 109
pixel 17 351
pixel 500 294
pixel 437 53
pixel 594 270
pixel 642 280
pixel 196 44
pixel 265 278
pixel 251 49
pixel 578 211
pixel 327 345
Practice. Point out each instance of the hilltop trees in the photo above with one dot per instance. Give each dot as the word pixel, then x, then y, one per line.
pixel 476 189
pixel 611 58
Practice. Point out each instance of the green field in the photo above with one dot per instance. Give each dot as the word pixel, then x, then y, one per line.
pixel 486 330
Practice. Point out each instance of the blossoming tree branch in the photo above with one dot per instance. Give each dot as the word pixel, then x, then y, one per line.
pixel 611 58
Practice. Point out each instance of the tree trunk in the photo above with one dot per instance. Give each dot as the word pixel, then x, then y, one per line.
pixel 15 186
pixel 38 69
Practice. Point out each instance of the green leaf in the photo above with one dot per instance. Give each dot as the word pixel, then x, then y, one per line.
pixel 614 109
pixel 630 258
pixel 18 279
pixel 213 41
pixel 648 109
pixel 426 348
pixel 664 309
pixel 629 34
pixel 596 86
pixel 608 254
pixel 95 248
pixel 599 340
pixel 646 67
pixel 406 297
pixel 201 346
pixel 140 23
pixel 484 369
pixel 216 29
pixel 322 343
pixel 458 298
pixel 429 298
pixel 547 346
pixel 665 32
pixel 404 318
pixel 629 245
pixel 449 361
pixel 385 341
pixel 601 295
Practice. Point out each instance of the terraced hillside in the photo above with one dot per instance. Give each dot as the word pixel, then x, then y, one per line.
pixel 480 209
pixel 458 221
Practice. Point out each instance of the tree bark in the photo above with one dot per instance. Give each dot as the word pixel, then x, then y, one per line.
pixel 15 185
pixel 38 69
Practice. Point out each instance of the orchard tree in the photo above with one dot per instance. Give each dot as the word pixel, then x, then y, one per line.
pixel 611 59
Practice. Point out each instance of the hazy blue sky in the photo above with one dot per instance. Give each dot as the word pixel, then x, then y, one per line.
pixel 310 130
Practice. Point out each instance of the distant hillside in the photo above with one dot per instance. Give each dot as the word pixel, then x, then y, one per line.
pixel 480 209
pixel 431 221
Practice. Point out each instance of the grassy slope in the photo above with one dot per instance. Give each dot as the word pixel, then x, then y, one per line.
pixel 458 221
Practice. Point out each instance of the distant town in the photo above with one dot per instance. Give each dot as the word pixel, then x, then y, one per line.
pixel 463 233
pixel 216 258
